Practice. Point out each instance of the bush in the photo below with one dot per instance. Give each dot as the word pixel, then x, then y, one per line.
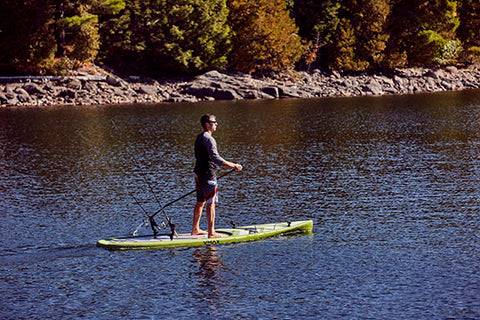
pixel 433 50
pixel 470 55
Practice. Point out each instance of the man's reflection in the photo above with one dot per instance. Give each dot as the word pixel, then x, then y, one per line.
pixel 210 298
pixel 209 261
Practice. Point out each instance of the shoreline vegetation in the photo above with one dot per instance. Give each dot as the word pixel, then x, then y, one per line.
pixel 168 51
pixel 96 86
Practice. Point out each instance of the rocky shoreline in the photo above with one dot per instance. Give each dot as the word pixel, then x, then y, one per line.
pixel 106 88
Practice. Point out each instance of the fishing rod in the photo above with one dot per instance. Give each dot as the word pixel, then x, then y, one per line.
pixel 155 227
pixel 153 224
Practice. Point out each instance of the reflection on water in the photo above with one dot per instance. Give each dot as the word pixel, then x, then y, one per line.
pixel 208 290
pixel 390 182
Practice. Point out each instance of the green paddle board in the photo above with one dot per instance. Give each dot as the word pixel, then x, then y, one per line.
pixel 229 235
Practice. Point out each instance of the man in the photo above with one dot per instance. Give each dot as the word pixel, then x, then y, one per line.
pixel 207 158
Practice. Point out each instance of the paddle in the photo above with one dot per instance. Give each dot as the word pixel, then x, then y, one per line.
pixel 187 194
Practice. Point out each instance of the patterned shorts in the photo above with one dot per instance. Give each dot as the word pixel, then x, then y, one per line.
pixel 207 189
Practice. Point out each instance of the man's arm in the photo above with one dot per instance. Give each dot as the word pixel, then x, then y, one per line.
pixel 211 145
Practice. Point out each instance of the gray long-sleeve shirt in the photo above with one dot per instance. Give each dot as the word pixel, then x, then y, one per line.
pixel 206 155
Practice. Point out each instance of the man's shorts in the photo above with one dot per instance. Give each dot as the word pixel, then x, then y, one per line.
pixel 207 189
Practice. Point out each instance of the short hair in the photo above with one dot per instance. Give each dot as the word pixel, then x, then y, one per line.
pixel 205 118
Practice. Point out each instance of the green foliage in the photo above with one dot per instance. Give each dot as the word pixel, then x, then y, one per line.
pixel 168 37
pixel 108 7
pixel 176 37
pixel 468 31
pixel 344 56
pixel 433 49
pixel 27 44
pixel 419 25
pixel 369 20
pixel 265 37
pixel 78 37
pixel 470 55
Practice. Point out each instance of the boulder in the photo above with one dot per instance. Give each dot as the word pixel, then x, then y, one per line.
pixel 74 84
pixel 8 98
pixel 90 87
pixel 286 92
pixel 271 91
pixel 436 74
pixel 225 94
pixel 147 89
pixel 3 98
pixel 199 90
pixel 374 87
pixel 211 75
pixel 451 69
pixel 22 95
pixel 67 93
pixel 113 81
pixel 33 88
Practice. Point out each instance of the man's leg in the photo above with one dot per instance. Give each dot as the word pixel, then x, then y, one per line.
pixel 211 220
pixel 197 214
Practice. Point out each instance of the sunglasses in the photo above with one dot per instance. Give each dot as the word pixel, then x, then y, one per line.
pixel 214 121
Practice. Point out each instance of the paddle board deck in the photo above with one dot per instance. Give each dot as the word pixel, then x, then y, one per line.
pixel 229 235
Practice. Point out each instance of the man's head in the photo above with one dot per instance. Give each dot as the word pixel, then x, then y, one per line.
pixel 209 122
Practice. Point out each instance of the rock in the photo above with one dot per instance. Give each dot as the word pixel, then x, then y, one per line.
pixel 451 69
pixel 33 88
pixel 287 92
pixel 90 86
pixel 436 74
pixel 431 83
pixel 211 75
pixel 336 74
pixel 446 85
pixel 22 95
pixel 67 93
pixel 74 84
pixel 398 80
pixel 374 87
pixel 147 89
pixel 271 91
pixel 9 98
pixel 216 85
pixel 199 90
pixel 3 98
pixel 225 94
pixel 113 81
pixel 50 87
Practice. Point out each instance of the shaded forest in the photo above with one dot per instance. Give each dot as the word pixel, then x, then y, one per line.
pixel 187 37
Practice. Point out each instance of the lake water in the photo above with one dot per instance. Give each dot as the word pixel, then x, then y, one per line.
pixel 392 184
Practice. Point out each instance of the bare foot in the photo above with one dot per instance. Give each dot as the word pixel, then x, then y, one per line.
pixel 216 235
pixel 199 232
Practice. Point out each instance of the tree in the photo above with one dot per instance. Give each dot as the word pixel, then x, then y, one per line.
pixel 35 32
pixel 78 38
pixel 265 38
pixel 368 19
pixel 343 55
pixel 423 33
pixel 318 22
pixel 468 30
pixel 168 37
pixel 27 44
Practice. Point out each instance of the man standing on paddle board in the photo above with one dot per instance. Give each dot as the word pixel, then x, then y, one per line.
pixel 207 158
